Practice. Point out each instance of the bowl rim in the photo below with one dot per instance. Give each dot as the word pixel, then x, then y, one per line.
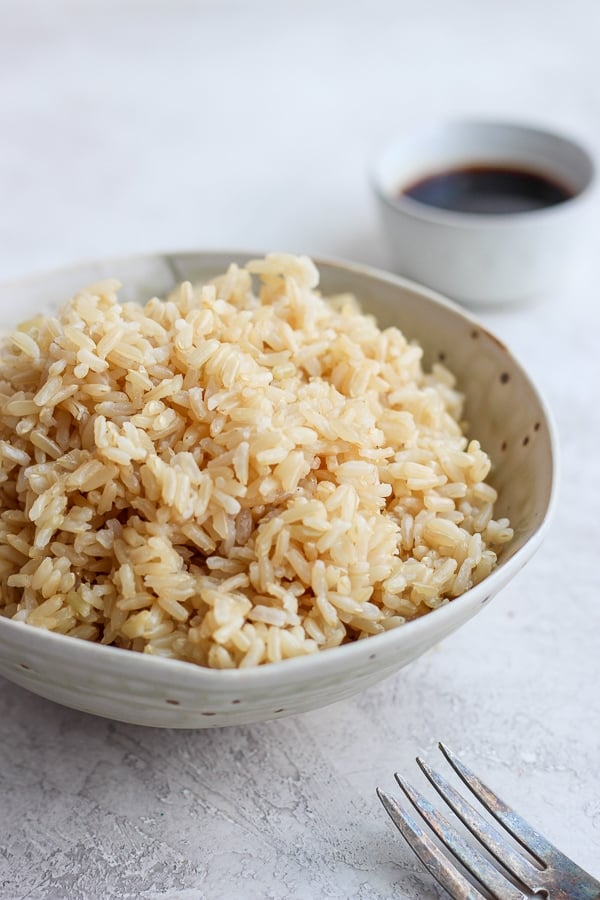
pixel 334 658
pixel 414 209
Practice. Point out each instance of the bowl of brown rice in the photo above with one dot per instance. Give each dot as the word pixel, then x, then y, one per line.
pixel 235 487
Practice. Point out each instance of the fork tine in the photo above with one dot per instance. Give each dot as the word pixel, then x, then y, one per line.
pixel 528 837
pixel 430 855
pixel 477 864
pixel 485 833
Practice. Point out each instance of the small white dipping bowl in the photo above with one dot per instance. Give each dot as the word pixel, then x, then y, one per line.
pixel 482 258
pixel 505 412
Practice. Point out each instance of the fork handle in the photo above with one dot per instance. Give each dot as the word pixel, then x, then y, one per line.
pixel 575 883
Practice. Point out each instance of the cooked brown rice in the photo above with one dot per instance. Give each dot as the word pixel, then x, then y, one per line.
pixel 232 478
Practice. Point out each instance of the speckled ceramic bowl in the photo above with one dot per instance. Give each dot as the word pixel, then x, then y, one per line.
pixel 505 412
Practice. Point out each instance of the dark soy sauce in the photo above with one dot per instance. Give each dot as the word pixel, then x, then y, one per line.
pixel 491 190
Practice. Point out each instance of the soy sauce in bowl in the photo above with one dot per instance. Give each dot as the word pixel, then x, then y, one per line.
pixel 488 190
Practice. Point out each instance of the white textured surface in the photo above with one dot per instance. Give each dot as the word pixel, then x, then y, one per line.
pixel 141 126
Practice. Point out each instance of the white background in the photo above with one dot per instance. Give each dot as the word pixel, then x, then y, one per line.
pixel 140 126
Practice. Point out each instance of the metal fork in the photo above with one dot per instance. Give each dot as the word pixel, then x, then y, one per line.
pixel 555 876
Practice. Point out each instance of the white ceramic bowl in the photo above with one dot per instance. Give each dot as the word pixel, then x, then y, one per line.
pixel 506 413
pixel 481 258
